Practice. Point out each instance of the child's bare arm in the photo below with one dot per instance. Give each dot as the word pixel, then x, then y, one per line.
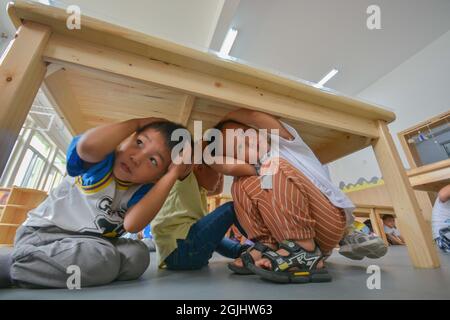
pixel 259 120
pixel 96 143
pixel 219 185
pixel 444 194
pixel 143 212
pixel 209 179
pixel 230 167
pixel 395 240
pixel 235 170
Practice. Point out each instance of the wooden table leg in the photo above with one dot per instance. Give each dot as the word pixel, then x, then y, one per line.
pixel 22 71
pixel 379 222
pixel 415 231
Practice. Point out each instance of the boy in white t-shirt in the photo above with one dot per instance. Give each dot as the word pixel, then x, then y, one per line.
pixel 119 176
pixel 440 220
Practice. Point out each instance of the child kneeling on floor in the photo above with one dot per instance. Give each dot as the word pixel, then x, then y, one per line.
pixel 294 215
pixel 185 234
pixel 119 176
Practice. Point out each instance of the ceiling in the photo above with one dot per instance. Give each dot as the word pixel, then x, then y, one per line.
pixel 306 39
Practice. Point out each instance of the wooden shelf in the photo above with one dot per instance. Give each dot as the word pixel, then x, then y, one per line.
pixel 15 225
pixel 14 212
pixel 432 177
pixel 410 150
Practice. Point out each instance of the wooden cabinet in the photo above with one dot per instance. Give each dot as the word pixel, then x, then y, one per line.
pixel 427 149
pixel 427 142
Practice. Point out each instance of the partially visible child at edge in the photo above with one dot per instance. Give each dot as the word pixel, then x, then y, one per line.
pixel 390 229
pixel 440 219
pixel 185 234
pixel 295 216
pixel 119 176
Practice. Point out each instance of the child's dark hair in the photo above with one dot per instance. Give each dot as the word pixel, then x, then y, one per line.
pixel 166 128
pixel 387 216
pixel 222 124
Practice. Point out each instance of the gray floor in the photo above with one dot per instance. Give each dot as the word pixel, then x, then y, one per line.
pixel 399 280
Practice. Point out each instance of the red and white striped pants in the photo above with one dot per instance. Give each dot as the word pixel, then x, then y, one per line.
pixel 294 209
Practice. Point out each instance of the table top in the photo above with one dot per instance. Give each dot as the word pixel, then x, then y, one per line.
pixel 204 60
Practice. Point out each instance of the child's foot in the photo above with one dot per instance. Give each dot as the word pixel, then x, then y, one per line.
pixel 252 254
pixel 267 264
pixel 256 256
pixel 308 245
pixel 5 267
pixel 292 263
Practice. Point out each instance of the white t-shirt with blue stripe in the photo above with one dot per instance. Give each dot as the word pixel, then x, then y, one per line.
pixel 88 201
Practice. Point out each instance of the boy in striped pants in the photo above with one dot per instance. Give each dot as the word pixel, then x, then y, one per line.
pixel 285 200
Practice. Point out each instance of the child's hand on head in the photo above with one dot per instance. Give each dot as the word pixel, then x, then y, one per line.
pixel 180 170
pixel 181 165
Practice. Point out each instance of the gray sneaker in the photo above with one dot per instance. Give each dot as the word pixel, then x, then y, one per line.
pixel 357 245
pixel 150 244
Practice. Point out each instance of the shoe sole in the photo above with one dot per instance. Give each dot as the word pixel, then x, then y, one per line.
pixel 242 271
pixel 316 276
pixel 373 249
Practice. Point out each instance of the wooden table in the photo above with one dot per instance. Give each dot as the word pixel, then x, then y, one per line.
pixel 105 73
pixel 431 177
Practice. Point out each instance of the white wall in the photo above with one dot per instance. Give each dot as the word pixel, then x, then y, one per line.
pixel 6 27
pixel 416 90
pixel 189 22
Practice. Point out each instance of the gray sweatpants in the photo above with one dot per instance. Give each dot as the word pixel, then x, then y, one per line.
pixel 42 256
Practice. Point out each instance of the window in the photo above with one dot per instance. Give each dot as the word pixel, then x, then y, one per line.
pixel 56 172
pixel 37 159
pixel 40 145
pixel 37 163
pixel 33 163
pixel 60 163
pixel 34 172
